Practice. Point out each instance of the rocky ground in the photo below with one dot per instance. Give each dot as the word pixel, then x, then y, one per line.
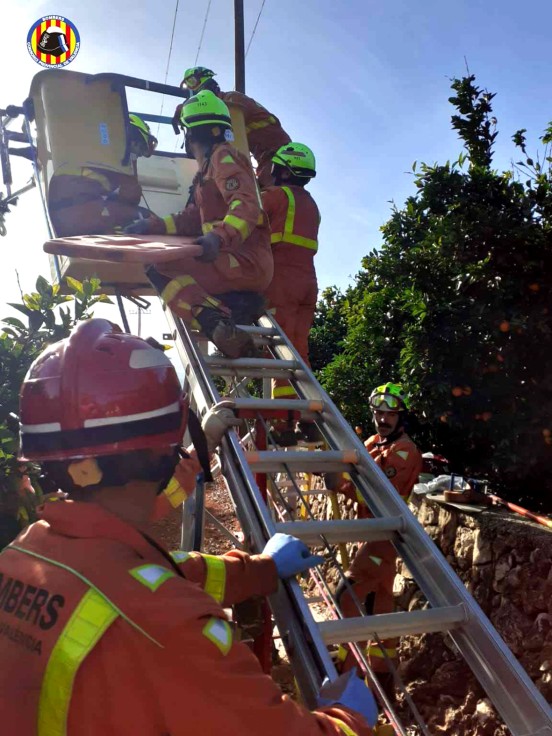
pixel 506 564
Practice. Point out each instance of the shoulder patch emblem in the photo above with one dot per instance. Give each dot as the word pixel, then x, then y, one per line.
pixel 219 632
pixel 152 576
pixel 391 472
pixel 403 454
pixel 232 184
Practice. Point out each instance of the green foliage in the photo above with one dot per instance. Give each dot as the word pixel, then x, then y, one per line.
pixel 456 306
pixel 48 319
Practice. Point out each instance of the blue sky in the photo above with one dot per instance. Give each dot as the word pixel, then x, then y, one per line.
pixel 364 83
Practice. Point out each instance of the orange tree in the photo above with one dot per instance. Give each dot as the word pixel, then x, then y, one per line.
pixel 456 305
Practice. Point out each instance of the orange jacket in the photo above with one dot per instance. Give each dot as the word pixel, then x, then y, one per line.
pixel 400 460
pixel 100 634
pixel 264 131
pixel 226 201
pixel 294 221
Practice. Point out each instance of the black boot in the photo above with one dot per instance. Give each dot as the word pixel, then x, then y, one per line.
pixel 224 334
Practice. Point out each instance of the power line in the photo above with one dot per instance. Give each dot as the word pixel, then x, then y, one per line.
pixel 168 61
pixel 254 28
pixel 203 31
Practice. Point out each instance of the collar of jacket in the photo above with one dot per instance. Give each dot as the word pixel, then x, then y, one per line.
pixel 91 521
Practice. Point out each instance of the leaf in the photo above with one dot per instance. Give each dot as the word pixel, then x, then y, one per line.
pixel 43 287
pixel 75 285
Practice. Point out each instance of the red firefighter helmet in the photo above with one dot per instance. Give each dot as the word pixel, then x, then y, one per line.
pixel 100 392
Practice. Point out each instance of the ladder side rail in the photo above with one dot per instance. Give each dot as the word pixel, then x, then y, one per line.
pixel 306 650
pixel 498 671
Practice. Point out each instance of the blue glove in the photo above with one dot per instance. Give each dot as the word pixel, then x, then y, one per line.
pixel 352 692
pixel 138 227
pixel 290 555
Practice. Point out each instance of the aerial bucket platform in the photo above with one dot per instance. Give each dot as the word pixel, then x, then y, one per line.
pixel 75 121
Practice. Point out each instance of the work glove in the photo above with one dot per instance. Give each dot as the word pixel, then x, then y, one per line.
pixel 218 420
pixel 291 556
pixel 352 692
pixel 138 227
pixel 211 247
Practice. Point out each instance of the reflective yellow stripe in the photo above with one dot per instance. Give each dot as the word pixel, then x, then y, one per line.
pixel 359 497
pixel 376 652
pixel 170 225
pixel 376 560
pixel 239 224
pixel 280 391
pixel 174 493
pixel 215 583
pixel 258 125
pixel 174 286
pixel 235 203
pixel 88 174
pixel 90 620
pixel 288 236
pixel 347 730
pixel 208 226
pixel 342 653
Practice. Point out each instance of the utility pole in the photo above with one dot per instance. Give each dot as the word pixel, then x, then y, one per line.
pixel 239 46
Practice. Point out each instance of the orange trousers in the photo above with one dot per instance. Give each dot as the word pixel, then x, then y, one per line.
pixel 292 298
pixel 371 574
pixel 194 283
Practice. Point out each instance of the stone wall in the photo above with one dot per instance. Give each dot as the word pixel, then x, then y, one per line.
pixel 506 563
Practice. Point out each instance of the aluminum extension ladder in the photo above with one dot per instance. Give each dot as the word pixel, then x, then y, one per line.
pixel 450 610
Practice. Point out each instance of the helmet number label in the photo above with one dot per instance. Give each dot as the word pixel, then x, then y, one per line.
pixel 104 134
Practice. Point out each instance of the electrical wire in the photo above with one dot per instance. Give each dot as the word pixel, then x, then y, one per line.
pixel 168 60
pixel 254 28
pixel 203 31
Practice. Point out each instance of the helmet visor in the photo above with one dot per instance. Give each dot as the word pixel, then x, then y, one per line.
pixel 386 402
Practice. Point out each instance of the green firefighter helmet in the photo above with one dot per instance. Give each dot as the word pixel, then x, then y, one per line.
pixel 205 108
pixel 196 77
pixel 389 397
pixel 298 158
pixel 144 132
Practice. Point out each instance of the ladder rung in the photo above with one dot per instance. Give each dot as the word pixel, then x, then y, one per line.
pixel 265 331
pixel 387 625
pixel 343 530
pixel 271 461
pixel 245 363
pixel 280 405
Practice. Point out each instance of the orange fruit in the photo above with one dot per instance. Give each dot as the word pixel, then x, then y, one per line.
pixel 504 326
pixel 466 390
pixel 486 416
pixel 457 391
pixel 534 287
pixel 546 432
pixel 443 418
pixel 500 358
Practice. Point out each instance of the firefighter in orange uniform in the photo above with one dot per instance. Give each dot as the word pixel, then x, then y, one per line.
pixel 236 241
pixel 372 572
pixel 95 200
pixel 294 221
pixel 265 134
pixel 101 629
